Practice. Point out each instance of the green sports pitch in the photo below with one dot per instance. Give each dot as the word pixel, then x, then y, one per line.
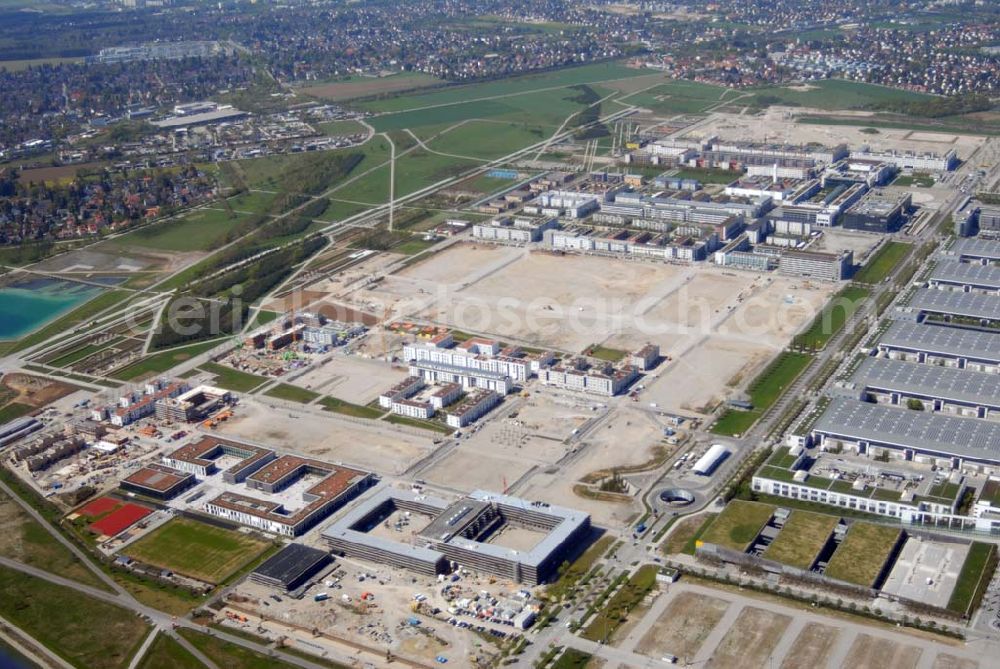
pixel 197 550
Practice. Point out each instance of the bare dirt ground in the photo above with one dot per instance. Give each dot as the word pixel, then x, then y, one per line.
pixel 683 627
pixel 459 262
pixel 382 449
pixel 868 652
pixel 352 379
pixel 467 470
pixel 780 122
pixel 811 647
pixel 34 391
pixel 946 661
pixel 750 640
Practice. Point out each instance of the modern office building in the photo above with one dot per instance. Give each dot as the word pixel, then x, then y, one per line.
pixel 519 229
pixel 158 482
pixel 815 265
pixel 906 160
pixel 878 211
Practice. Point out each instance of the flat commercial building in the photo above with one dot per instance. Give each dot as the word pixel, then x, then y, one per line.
pixel 922 437
pixel 877 211
pixel 200 458
pixel 825 266
pixel 954 307
pixel 192 405
pixel 966 277
pixel 461 533
pixel 291 567
pixel 947 389
pixel 907 160
pixel 518 229
pixel 938 345
pixel 439 372
pixel 158 482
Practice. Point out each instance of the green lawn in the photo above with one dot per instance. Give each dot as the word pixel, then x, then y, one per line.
pixel 196 549
pixel 198 230
pixel 233 379
pixel 86 632
pixel 915 179
pixel 165 653
pixel 158 363
pixel 488 140
pixel 285 391
pixel 863 553
pixel 14 410
pixel 431 425
pixel 801 539
pixel 708 176
pixel 832 318
pixel 355 410
pixel 348 127
pixel 764 391
pixel 738 525
pixel 572 659
pixel 604 353
pixel 680 97
pixel 881 265
pixel 976 572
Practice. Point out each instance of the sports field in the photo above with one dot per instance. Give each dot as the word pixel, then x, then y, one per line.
pixel 201 551
pixel 863 553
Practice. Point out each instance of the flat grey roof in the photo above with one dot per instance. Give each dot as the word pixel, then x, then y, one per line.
pixel 218 115
pixel 971 305
pixel 974 247
pixel 942 340
pixel 946 383
pixel 902 428
pixel 966 274
pixel 458 370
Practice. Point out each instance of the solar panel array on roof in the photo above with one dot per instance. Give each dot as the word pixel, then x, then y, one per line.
pixel 974 247
pixel 935 339
pixel 901 428
pixel 946 383
pixel 966 274
pixel 949 302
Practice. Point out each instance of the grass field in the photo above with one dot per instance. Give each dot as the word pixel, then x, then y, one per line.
pixel 230 656
pixel 680 97
pixel 346 408
pixel 572 659
pixel 764 391
pixel 198 550
pixel 346 127
pixel 687 532
pixel 801 539
pixel 163 361
pixel 604 353
pixel 86 632
pixel 165 653
pixel 976 572
pixel 738 525
pixel 832 318
pixel 626 599
pixel 19 65
pixel 285 391
pixel 25 540
pixel 431 425
pixel 708 176
pixel 881 265
pixel 831 94
pixel 916 179
pixel 233 379
pixel 862 554
pixel 350 88
pixel 199 230
pixel 488 140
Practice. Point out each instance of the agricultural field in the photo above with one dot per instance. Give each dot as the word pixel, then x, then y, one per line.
pixel 198 550
pixel 863 553
pixel 680 97
pixel 83 631
pixel 353 87
pixel 801 539
pixel 738 525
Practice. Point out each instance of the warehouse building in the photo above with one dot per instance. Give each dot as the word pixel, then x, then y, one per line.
pixel 815 265
pixel 958 391
pixel 291 567
pixel 466 533
pixel 158 482
pixel 974 309
pixel 965 277
pixel 928 438
pixel 975 250
pixel 877 211
pixel 947 347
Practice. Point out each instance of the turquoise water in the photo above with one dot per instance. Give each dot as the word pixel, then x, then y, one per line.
pixel 27 305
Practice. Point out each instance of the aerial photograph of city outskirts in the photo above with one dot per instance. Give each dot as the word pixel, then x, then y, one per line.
pixel 545 334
